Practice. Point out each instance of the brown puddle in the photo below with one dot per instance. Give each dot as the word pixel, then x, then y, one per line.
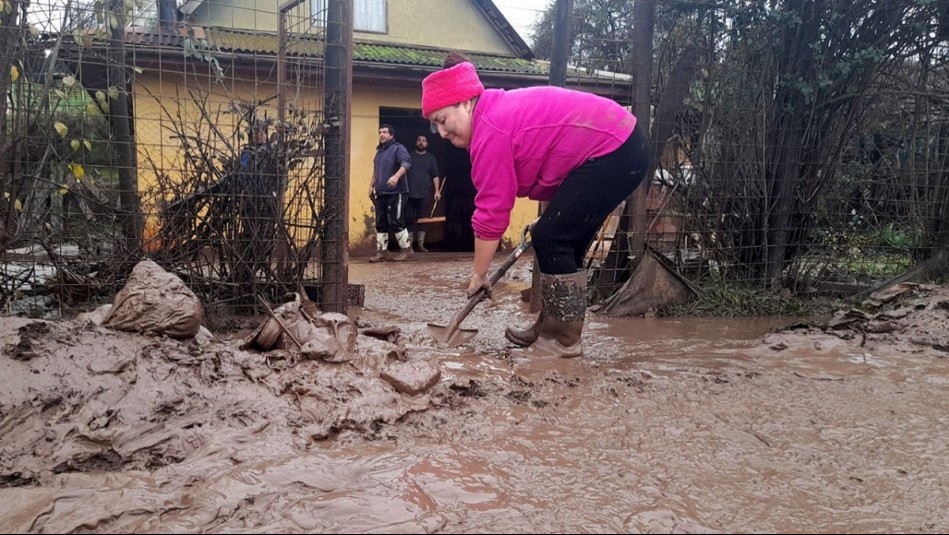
pixel 666 425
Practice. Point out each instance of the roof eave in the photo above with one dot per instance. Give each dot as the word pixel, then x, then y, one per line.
pixel 500 23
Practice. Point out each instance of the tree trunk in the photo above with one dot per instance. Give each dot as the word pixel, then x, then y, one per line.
pixel 786 140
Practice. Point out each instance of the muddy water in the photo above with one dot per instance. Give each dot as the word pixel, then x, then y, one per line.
pixel 666 425
pixel 683 424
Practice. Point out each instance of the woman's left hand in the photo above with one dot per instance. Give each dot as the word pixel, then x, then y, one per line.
pixel 479 281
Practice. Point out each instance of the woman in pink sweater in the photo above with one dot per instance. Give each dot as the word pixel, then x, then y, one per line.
pixel 579 153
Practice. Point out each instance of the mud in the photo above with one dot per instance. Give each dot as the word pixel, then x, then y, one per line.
pixel 665 425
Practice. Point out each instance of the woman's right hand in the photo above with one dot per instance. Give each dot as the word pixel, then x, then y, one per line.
pixel 479 281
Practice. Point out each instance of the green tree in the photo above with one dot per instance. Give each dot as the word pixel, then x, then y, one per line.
pixel 783 94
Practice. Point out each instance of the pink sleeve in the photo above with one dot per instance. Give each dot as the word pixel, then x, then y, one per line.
pixel 492 172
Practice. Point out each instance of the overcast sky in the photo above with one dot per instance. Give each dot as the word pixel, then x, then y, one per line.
pixel 522 13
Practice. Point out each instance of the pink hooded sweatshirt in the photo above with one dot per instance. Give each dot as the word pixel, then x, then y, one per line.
pixel 525 142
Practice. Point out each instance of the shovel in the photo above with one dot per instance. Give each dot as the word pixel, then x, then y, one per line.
pixel 453 335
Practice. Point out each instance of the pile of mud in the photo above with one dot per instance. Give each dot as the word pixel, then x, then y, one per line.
pixel 78 396
pixel 105 430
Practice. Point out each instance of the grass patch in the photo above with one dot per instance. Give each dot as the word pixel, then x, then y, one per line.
pixel 728 301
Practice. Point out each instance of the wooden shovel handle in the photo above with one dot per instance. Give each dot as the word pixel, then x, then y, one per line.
pixel 434 204
pixel 481 294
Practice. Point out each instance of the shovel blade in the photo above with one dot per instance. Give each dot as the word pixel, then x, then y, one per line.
pixel 451 337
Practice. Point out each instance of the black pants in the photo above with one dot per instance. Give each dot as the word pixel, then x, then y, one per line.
pixel 390 212
pixel 414 209
pixel 581 204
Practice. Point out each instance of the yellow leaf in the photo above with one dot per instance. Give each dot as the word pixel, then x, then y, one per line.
pixel 77 170
pixel 17 205
pixel 87 144
pixel 75 144
pixel 14 73
pixel 34 31
pixel 69 81
pixel 63 190
pixel 100 96
pixel 61 129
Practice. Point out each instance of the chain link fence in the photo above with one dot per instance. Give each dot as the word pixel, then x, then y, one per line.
pixel 132 133
pixel 801 149
pixel 798 150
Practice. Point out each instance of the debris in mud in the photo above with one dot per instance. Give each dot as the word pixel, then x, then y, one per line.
pixel 907 308
pixel 299 329
pixel 471 389
pixel 151 393
pixel 110 431
pixel 155 302
pixel 411 377
pixel 520 396
pixel 387 333
pixel 23 348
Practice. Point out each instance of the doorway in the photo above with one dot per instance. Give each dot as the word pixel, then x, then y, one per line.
pixel 454 167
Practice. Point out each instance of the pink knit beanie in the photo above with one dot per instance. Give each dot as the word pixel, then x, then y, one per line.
pixel 450 86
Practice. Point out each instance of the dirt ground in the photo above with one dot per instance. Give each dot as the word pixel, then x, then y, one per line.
pixel 831 425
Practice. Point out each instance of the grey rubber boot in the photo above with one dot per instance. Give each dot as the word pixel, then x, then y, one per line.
pixel 382 246
pixel 403 255
pixel 405 244
pixel 421 241
pixel 563 311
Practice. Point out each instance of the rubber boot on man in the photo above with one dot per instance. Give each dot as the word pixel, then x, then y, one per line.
pixel 421 241
pixel 405 244
pixel 382 248
pixel 558 330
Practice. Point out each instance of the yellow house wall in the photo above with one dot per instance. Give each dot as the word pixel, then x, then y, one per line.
pixel 156 148
pixel 458 24
pixel 436 23
pixel 245 14
pixel 163 105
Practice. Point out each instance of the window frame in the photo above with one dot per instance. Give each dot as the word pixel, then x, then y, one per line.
pixel 317 6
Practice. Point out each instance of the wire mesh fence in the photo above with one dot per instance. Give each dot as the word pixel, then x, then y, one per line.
pixel 799 148
pixel 796 150
pixel 134 132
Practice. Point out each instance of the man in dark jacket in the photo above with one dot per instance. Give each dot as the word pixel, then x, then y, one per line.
pixel 422 177
pixel 389 191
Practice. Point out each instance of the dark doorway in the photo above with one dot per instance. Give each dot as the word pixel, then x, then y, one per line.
pixel 454 165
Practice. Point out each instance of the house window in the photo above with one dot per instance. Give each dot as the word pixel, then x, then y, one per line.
pixel 368 15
